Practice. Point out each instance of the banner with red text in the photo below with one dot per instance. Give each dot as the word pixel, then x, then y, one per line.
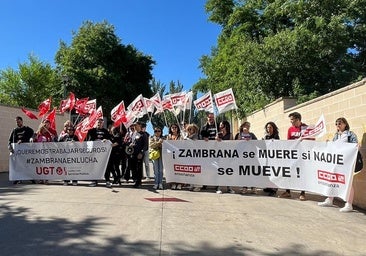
pixel 59 160
pixel 321 167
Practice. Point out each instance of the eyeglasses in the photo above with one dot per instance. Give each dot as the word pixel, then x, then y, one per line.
pixel 338 123
pixel 157 131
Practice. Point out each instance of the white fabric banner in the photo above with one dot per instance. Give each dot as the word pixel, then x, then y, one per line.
pixel 321 167
pixel 225 101
pixel 59 160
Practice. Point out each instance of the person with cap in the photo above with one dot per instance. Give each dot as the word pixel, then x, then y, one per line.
pixel 136 158
pixel 99 133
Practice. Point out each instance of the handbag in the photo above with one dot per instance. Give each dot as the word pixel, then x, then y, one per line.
pixel 154 154
pixel 359 162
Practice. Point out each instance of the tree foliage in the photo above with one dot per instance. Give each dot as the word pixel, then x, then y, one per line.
pixel 32 83
pixel 100 67
pixel 278 48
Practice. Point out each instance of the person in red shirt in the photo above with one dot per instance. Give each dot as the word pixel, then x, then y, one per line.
pixel 295 132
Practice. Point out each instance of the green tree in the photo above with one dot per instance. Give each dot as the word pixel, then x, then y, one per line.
pixel 100 67
pixel 32 83
pixel 278 48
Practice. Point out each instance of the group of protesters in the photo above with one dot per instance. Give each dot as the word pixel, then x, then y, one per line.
pixel 222 131
pixel 133 146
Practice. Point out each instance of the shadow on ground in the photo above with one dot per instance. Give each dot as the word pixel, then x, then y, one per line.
pixel 22 235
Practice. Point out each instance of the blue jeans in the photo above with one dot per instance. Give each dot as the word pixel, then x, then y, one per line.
pixel 158 171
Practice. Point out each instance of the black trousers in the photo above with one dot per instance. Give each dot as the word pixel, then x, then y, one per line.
pixel 112 167
pixel 136 167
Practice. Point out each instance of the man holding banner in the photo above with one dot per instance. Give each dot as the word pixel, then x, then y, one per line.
pixel 297 130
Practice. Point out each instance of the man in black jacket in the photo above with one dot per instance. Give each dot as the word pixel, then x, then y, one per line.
pixel 139 144
pixel 20 134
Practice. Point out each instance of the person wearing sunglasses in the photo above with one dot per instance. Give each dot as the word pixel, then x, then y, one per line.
pixel 343 135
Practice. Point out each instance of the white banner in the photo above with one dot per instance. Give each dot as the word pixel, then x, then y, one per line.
pixel 321 167
pixel 59 160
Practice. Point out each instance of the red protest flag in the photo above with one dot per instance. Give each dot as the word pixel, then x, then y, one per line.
pixel 80 106
pixel 67 104
pixel 44 107
pixel 29 114
pixel 52 118
pixel 117 111
pixel 81 129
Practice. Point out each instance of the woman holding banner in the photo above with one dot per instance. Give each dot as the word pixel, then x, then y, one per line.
pixel 271 133
pixel 245 135
pixel 224 134
pixel 343 135
pixel 175 134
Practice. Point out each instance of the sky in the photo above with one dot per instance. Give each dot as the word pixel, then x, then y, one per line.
pixel 176 33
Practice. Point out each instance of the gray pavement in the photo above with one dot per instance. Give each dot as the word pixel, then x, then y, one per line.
pixel 37 219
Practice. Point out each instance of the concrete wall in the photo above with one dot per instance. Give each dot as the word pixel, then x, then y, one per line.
pixel 7 117
pixel 348 102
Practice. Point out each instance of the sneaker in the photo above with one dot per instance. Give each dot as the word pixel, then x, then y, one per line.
pixel 244 190
pixel 179 186
pixel 74 183
pixel 218 191
pixel 285 195
pixel 93 184
pixel 253 190
pixel 327 203
pixel 155 186
pixel 108 184
pixel 174 186
pixel 272 193
pixel 161 186
pixel 66 183
pixel 347 208
pixel 231 191
pixel 302 197
pixel 196 189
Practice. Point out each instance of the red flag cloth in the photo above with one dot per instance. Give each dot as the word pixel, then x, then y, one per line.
pixel 80 106
pixel 44 107
pixel 29 114
pixel 67 104
pixel 81 129
pixel 166 103
pixel 84 126
pixel 120 119
pixel 118 111
pixel 52 118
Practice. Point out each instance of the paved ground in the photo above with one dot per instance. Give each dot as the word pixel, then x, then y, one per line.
pixel 67 220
